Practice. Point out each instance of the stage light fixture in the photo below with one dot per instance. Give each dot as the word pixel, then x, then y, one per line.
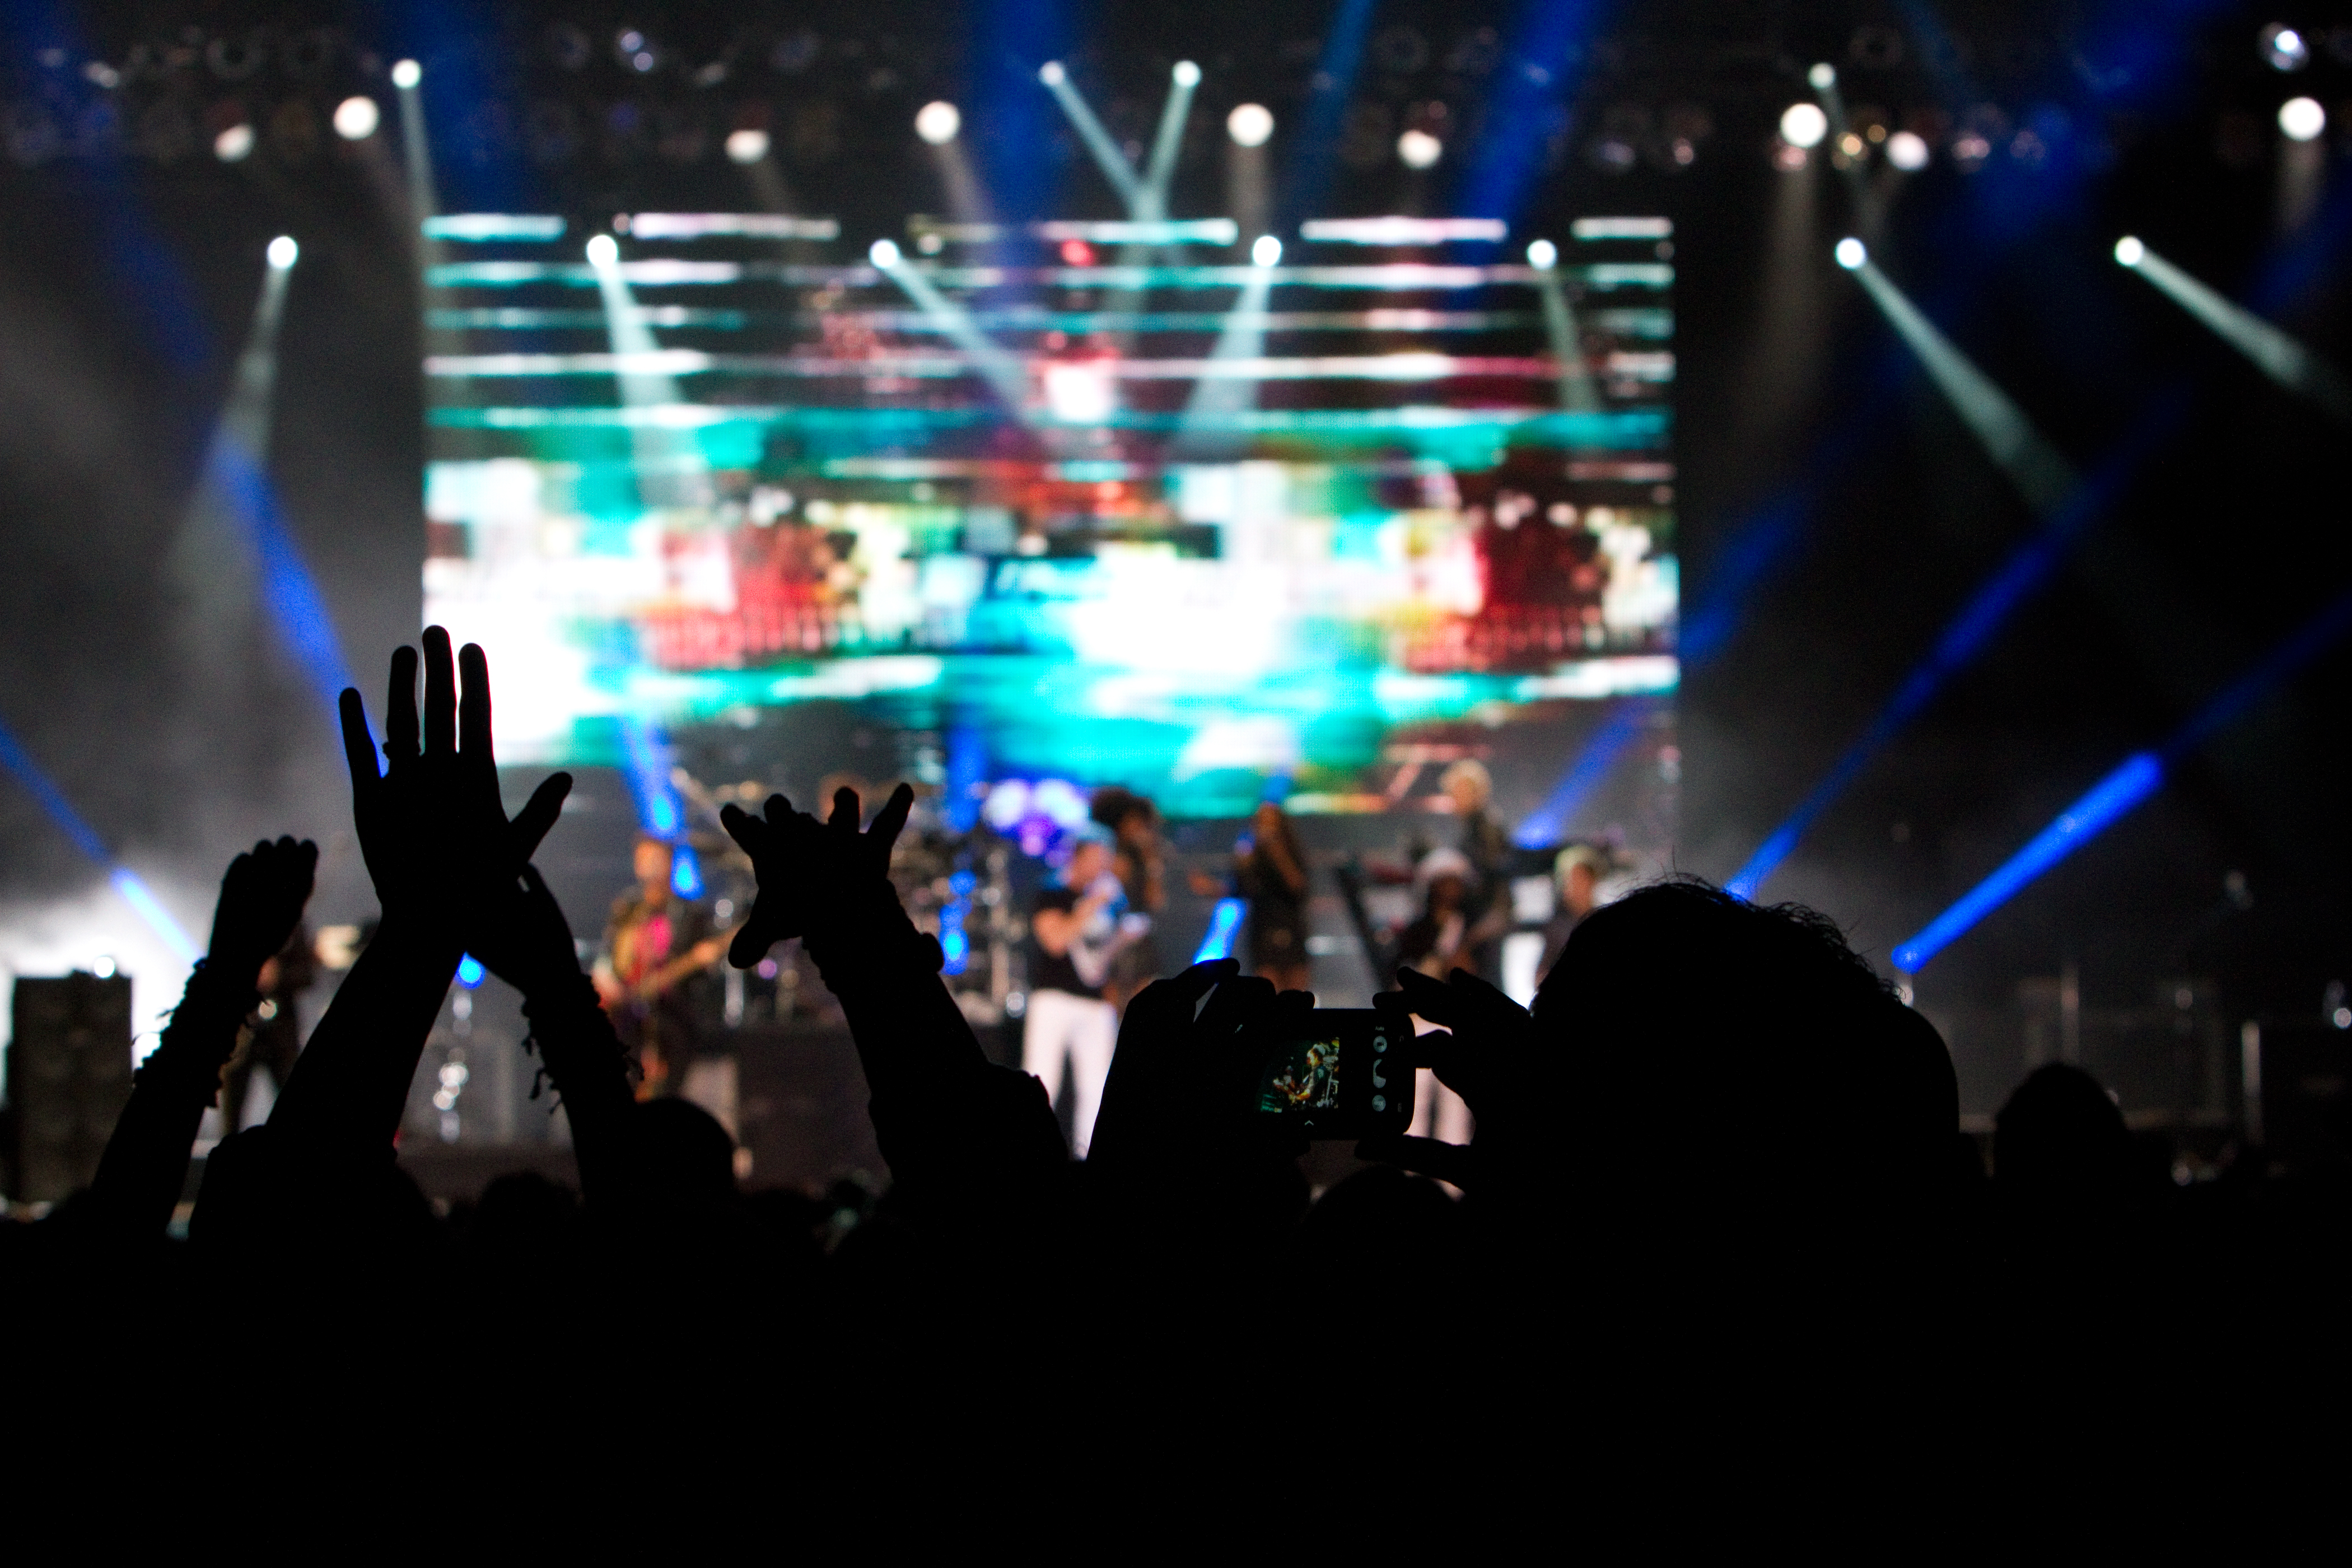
pixel 2301 118
pixel 1266 250
pixel 2284 48
pixel 357 118
pixel 1542 255
pixel 282 252
pixel 406 74
pixel 235 144
pixel 1803 125
pixel 1186 74
pixel 1051 74
pixel 603 251
pixel 883 253
pixel 1908 151
pixel 2130 251
pixel 1821 77
pixel 1852 254
pixel 748 145
pixel 938 122
pixel 1250 124
pixel 1420 150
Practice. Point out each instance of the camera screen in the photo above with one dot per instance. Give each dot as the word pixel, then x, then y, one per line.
pixel 1303 1076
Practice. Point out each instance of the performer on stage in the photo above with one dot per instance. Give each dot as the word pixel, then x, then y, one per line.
pixel 277 1036
pixel 1489 847
pixel 1270 872
pixel 1138 860
pixel 1436 944
pixel 655 944
pixel 1576 886
pixel 1079 926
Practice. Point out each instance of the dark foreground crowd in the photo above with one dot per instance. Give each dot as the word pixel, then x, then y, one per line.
pixel 1717 1204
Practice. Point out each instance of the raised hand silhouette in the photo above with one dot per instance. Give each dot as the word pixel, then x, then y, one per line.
pixel 1178 1096
pixel 442 854
pixel 146 1159
pixel 943 1113
pixel 806 868
pixel 261 898
pixel 1486 1053
pixel 431 824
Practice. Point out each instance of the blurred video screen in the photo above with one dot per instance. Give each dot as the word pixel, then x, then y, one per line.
pixel 1106 502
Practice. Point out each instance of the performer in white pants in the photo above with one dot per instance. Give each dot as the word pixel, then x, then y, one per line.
pixel 1079 929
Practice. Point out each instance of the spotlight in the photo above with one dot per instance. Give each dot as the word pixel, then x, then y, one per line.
pixel 1821 77
pixel 1803 125
pixel 748 145
pixel 883 253
pixel 406 74
pixel 1420 150
pixel 357 118
pixel 1851 253
pixel 1051 74
pixel 1186 74
pixel 2284 48
pixel 938 122
pixel 235 144
pixel 1266 250
pixel 282 252
pixel 1908 151
pixel 1542 255
pixel 603 251
pixel 1250 124
pixel 2301 118
pixel 2130 251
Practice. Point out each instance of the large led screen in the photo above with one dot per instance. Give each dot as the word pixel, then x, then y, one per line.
pixel 1108 503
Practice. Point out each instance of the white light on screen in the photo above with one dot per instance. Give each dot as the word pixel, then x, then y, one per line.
pixel 357 118
pixel 235 144
pixel 748 145
pixel 883 253
pixel 1851 253
pixel 1803 125
pixel 282 252
pixel 1266 250
pixel 1186 74
pixel 1079 393
pixel 1908 151
pixel 2130 251
pixel 603 251
pixel 406 74
pixel 1250 124
pixel 1542 255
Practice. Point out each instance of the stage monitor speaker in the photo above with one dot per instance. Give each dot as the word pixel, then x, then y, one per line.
pixel 2299 1074
pixel 68 1077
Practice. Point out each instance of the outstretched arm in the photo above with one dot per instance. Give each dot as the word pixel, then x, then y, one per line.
pixel 438 846
pixel 527 943
pixel 940 1109
pixel 146 1161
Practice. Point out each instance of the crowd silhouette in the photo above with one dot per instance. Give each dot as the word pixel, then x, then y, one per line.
pixel 1718 1195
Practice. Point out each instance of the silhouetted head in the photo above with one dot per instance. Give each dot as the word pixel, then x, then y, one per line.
pixel 1742 1069
pixel 2060 1136
pixel 523 1213
pixel 652 860
pixel 689 1158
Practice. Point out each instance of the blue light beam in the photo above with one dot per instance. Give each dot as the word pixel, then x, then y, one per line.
pixel 84 838
pixel 2139 776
